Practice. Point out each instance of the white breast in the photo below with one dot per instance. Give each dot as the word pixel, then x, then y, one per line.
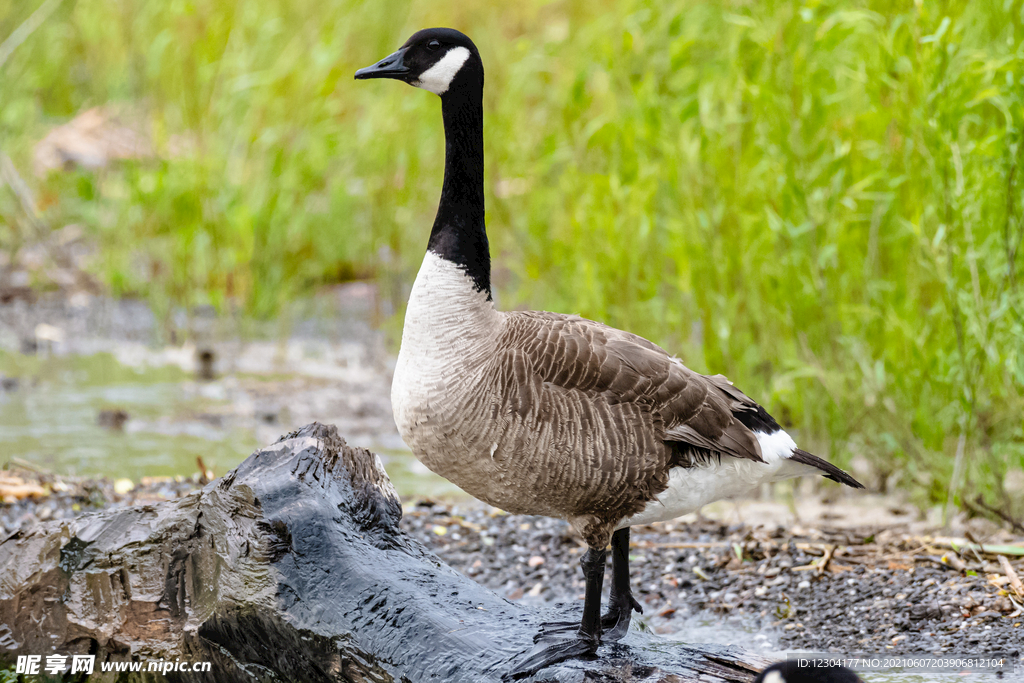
pixel 450 328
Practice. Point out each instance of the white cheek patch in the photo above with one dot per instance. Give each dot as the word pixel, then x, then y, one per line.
pixel 439 77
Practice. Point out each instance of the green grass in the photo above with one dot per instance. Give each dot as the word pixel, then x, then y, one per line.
pixel 821 200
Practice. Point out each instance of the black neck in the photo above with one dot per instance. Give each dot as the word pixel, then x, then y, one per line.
pixel 459 234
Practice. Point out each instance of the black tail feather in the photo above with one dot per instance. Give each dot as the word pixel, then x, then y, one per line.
pixel 829 470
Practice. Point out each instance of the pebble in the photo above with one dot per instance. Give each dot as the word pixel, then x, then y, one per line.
pixel 66 497
pixel 851 607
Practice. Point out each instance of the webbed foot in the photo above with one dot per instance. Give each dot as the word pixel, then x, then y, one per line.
pixel 551 650
pixel 615 622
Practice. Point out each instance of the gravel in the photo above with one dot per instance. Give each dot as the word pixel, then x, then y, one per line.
pixel 881 590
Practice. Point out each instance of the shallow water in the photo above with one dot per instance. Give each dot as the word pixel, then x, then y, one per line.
pixel 52 419
pixel 328 365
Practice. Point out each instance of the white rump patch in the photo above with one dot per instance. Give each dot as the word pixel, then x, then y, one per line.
pixel 775 445
pixel 439 77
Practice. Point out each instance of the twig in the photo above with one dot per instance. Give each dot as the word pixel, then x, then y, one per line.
pixel 976 542
pixel 26 465
pixel 19 34
pixel 1018 587
pixel 825 559
pixel 953 561
pixel 984 507
pixel 947 561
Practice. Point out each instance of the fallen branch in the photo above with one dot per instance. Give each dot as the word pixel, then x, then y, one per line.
pixel 1015 583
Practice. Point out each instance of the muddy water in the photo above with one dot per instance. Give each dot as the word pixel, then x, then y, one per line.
pixel 89 388
pixel 52 419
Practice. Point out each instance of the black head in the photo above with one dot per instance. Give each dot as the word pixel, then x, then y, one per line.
pixel 792 671
pixel 435 59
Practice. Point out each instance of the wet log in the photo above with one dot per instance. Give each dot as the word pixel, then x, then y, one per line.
pixel 292 567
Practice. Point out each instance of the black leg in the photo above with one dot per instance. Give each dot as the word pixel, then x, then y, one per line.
pixel 620 602
pixel 551 650
pixel 593 572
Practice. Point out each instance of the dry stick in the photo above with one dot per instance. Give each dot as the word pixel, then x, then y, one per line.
pixel 952 560
pixel 826 558
pixel 19 34
pixel 26 465
pixel 974 551
pixel 985 507
pixel 1018 587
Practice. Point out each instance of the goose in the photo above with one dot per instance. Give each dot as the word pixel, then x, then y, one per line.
pixel 790 671
pixel 550 414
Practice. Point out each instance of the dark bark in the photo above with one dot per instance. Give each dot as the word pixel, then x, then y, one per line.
pixel 290 568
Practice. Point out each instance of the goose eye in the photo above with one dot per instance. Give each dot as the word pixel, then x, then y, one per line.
pixel 433 45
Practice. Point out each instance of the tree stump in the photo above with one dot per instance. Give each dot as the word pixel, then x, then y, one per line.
pixel 291 567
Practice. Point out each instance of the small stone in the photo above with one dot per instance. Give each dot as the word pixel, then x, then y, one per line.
pixel 535 561
pixel 804 585
pixel 113 418
pixel 440 530
pixel 1002 604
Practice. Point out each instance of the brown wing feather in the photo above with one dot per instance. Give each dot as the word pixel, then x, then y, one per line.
pixel 619 367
